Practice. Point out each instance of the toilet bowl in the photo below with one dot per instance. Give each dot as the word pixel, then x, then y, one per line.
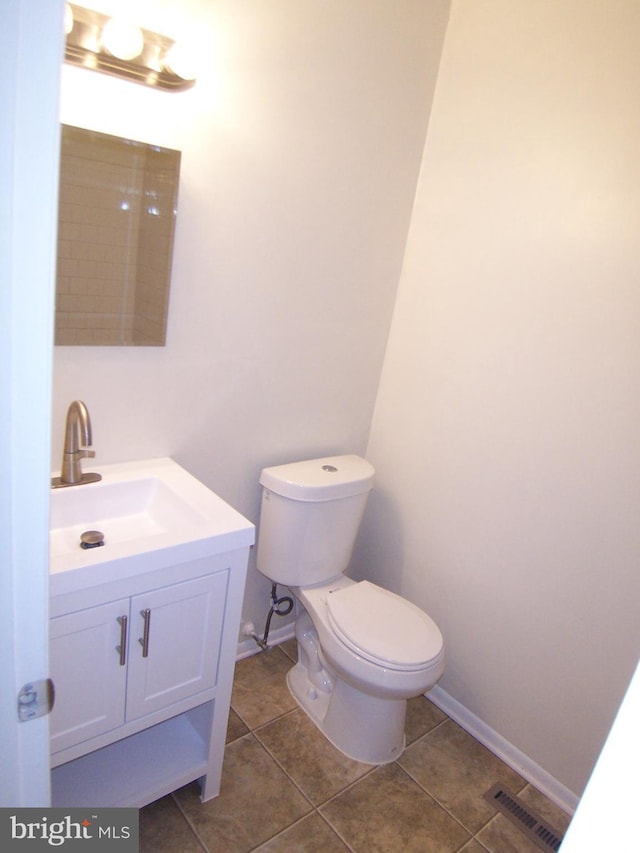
pixel 362 650
pixel 375 639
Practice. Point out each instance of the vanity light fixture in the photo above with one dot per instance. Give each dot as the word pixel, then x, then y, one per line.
pixel 118 47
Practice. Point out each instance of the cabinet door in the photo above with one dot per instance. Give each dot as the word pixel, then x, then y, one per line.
pixel 183 626
pixel 88 677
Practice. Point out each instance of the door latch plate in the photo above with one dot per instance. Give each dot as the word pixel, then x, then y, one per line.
pixel 35 699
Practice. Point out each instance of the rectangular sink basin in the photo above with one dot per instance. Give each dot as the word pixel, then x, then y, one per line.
pixel 151 514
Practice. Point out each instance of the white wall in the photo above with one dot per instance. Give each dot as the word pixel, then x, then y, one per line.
pixel 301 145
pixel 505 434
pixel 606 818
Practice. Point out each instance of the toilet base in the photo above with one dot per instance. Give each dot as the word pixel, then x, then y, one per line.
pixel 364 728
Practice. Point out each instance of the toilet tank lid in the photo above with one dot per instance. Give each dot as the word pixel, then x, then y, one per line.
pixel 322 479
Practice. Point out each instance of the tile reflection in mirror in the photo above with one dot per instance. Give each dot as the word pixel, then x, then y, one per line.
pixel 116 221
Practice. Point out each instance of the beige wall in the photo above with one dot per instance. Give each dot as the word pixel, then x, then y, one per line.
pixel 301 144
pixel 506 428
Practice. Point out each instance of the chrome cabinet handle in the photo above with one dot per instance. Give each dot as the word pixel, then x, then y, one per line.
pixel 122 648
pixel 144 639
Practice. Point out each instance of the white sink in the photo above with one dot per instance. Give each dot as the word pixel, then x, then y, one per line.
pixel 151 513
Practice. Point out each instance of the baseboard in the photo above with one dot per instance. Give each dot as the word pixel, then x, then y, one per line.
pixel 507 752
pixel 248 646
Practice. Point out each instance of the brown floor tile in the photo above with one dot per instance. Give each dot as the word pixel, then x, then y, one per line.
pixel 548 811
pixel 290 648
pixel 422 717
pixel 260 692
pixel 235 727
pixel 256 801
pixel 473 847
pixel 163 829
pixel 457 771
pixel 311 835
pixel 431 800
pixel 501 836
pixel 311 761
pixel 387 812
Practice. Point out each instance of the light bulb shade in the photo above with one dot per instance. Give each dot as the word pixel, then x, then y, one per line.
pixel 122 39
pixel 68 19
pixel 179 61
pixel 115 46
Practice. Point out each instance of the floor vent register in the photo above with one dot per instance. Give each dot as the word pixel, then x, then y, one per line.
pixel 525 818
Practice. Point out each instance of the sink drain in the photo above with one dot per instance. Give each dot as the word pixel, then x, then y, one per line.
pixel 91 539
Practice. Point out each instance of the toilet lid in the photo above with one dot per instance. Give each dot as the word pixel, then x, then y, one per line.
pixel 383 627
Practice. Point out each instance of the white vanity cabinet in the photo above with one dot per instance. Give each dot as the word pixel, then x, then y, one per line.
pixel 175 649
pixel 89 684
pixel 144 633
pixel 116 662
pixel 143 683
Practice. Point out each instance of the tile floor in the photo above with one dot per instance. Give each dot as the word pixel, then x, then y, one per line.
pixel 285 789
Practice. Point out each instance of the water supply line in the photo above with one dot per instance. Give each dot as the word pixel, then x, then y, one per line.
pixel 282 606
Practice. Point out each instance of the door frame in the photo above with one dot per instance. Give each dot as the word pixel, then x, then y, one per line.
pixel 31 52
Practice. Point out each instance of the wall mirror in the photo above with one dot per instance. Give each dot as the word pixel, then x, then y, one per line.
pixel 116 221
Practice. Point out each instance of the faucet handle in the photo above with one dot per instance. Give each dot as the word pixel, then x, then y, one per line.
pixel 86 454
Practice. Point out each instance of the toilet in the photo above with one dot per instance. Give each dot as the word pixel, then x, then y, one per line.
pixel 362 650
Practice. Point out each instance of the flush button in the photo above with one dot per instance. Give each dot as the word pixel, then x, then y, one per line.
pixel 331 468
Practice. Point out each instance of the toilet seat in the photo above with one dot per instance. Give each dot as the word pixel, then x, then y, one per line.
pixel 383 627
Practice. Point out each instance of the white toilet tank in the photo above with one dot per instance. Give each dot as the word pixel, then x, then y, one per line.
pixel 310 515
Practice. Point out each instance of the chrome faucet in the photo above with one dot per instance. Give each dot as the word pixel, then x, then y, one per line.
pixel 77 438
